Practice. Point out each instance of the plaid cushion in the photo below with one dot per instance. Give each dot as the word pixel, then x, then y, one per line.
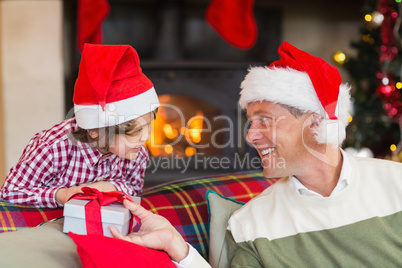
pixel 14 217
pixel 183 203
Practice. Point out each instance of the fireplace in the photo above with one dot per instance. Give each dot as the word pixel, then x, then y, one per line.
pixel 199 128
pixel 186 126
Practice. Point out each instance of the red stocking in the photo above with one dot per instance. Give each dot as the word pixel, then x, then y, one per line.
pixel 90 16
pixel 234 21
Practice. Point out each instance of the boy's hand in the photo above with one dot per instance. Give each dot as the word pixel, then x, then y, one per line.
pixel 63 194
pixel 102 186
pixel 156 233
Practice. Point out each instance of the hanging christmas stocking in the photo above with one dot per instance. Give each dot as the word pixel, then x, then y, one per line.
pixel 234 21
pixel 90 15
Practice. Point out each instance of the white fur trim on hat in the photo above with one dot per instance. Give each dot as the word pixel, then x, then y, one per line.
pixel 92 116
pixel 294 88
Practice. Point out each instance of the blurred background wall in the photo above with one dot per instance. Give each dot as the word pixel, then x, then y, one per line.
pixel 35 50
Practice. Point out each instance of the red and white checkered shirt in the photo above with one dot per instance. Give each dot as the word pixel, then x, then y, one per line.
pixel 51 161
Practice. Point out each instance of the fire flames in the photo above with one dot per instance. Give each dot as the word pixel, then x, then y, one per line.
pixel 169 135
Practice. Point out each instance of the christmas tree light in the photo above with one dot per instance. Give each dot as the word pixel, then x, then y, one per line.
pixel 376 72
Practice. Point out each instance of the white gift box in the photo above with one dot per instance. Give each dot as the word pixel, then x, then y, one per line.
pixel 113 214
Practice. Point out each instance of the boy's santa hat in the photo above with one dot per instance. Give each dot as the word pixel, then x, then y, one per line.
pixel 111 88
pixel 305 82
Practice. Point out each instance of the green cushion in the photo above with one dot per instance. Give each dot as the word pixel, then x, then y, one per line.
pixel 220 209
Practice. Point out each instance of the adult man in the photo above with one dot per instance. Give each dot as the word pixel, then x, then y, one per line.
pixel 330 208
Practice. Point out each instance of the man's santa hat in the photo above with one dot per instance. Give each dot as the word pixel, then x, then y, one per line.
pixel 111 88
pixel 305 82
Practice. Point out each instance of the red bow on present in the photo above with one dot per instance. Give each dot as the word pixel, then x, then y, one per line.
pixel 93 216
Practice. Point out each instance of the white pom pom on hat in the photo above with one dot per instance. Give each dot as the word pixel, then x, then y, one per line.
pixel 305 82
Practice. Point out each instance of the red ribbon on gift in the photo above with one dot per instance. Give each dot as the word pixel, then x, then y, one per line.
pixel 93 216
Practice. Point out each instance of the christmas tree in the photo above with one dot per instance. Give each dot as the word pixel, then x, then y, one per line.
pixel 376 73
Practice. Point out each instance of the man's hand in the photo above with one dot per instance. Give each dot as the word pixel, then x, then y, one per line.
pixel 156 233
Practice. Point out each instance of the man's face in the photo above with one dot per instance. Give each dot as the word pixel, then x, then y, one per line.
pixel 277 136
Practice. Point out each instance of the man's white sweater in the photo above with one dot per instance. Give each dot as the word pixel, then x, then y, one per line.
pixel 360 226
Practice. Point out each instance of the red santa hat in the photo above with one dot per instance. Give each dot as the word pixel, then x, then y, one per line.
pixel 305 82
pixel 111 88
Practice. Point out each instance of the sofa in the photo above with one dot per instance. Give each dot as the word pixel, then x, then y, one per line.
pixel 184 203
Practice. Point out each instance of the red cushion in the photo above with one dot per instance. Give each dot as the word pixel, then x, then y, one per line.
pixel 101 251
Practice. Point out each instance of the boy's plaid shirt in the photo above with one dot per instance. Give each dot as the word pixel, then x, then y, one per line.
pixel 51 161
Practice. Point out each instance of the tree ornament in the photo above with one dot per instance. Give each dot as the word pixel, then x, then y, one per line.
pixel 376 74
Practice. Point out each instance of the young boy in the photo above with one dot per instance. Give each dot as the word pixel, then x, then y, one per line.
pixel 102 146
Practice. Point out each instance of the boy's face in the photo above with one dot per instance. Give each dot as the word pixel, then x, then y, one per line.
pixel 128 145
